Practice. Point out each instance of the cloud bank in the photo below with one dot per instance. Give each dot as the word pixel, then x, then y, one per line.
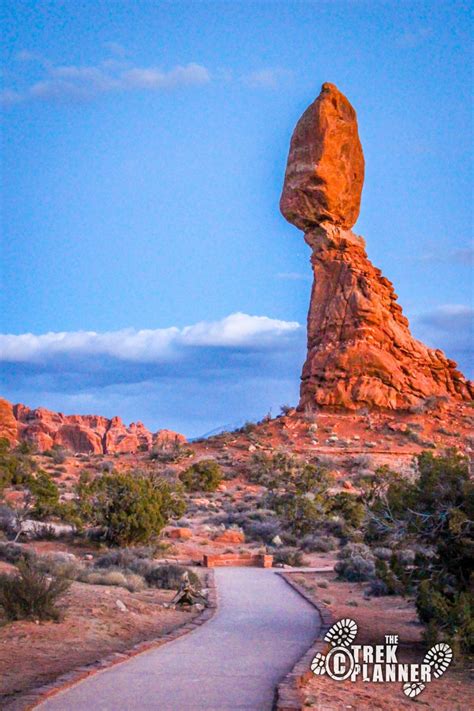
pixel 63 83
pixel 148 346
pixel 192 379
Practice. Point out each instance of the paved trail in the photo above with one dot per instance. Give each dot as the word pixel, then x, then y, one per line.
pixel 232 662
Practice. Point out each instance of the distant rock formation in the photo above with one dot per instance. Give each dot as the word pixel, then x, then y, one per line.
pixel 88 434
pixel 360 349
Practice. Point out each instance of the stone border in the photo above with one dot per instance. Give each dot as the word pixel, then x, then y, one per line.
pixel 258 560
pixel 289 696
pixel 30 699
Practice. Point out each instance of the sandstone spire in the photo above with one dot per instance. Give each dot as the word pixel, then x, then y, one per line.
pixel 360 349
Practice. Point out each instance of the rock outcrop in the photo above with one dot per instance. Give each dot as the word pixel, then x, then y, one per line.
pixel 8 423
pixel 360 349
pixel 88 434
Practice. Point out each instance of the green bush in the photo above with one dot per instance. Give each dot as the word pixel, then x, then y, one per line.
pixel 130 507
pixel 46 495
pixel 431 522
pixel 351 509
pixel 15 466
pixel 205 475
pixel 31 594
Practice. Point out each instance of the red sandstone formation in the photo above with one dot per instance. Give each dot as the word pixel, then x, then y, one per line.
pixel 325 170
pixel 8 423
pixel 78 433
pixel 360 349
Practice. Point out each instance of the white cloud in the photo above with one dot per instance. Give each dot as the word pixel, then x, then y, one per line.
pixel 114 74
pixel 269 78
pixel 147 346
pixel 152 78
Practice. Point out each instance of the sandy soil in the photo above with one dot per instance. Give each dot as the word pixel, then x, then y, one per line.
pixel 375 618
pixel 93 627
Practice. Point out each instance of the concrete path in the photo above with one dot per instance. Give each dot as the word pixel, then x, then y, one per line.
pixel 234 661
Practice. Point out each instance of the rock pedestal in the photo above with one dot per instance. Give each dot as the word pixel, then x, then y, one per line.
pixel 360 349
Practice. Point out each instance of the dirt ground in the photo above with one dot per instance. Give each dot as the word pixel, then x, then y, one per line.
pixel 375 618
pixel 93 626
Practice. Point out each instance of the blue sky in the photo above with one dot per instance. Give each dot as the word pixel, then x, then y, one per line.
pixel 144 146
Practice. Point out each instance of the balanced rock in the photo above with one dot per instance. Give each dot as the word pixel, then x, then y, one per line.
pixel 360 349
pixel 325 169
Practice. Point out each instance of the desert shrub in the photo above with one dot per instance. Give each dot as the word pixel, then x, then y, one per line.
pixel 282 469
pixel 60 565
pixel 356 563
pixel 108 576
pixel 142 566
pixel 382 553
pixel 123 557
pixel 168 577
pixel 247 428
pixel 59 454
pixel 128 560
pixel 12 552
pixel 264 531
pixel 376 588
pixel 46 495
pixel 205 475
pixel 30 593
pixel 170 451
pixel 26 448
pixel 351 509
pixel 319 543
pixel 326 461
pixel 7 519
pixel 301 501
pixel 289 556
pixel 106 466
pixel 41 531
pixel 386 574
pixel 299 514
pixel 129 507
pixel 360 462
